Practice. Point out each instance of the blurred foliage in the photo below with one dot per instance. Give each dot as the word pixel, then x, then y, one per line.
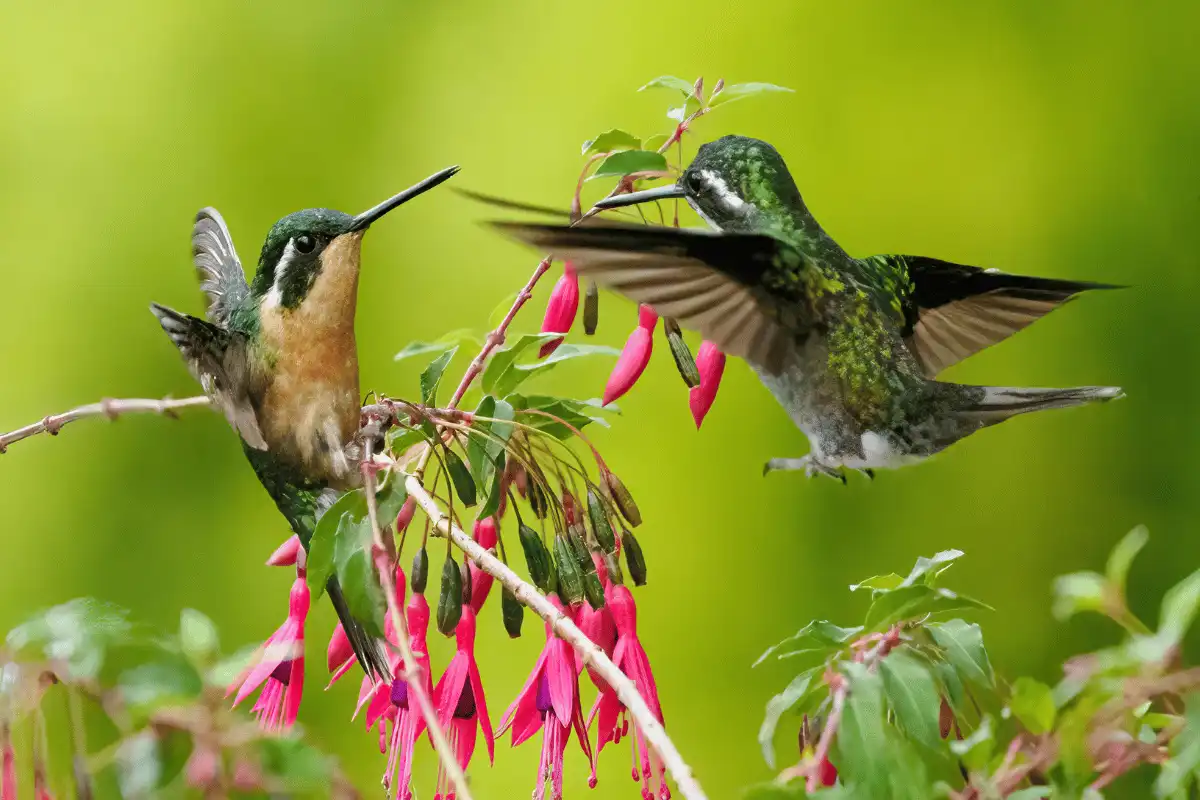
pixel 1054 138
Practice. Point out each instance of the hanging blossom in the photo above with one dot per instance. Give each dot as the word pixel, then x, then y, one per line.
pixel 486 534
pixel 630 657
pixel 278 667
pixel 286 554
pixel 560 309
pixel 461 704
pixel 549 701
pixel 634 356
pixel 710 362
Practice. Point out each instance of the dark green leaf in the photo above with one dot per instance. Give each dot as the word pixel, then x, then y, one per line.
pixel 862 733
pixel 635 560
pixel 507 380
pixel 627 162
pixel 885 582
pixel 360 585
pixel 432 376
pixel 1032 703
pixel 503 359
pixel 1123 554
pixel 740 91
pixel 559 414
pixel 776 707
pixel 963 646
pixel 913 696
pixel 570 580
pixel 422 348
pixel 537 557
pixel 329 545
pixel 198 636
pixel 975 750
pixel 389 499
pixel 818 635
pixel 611 140
pixel 460 476
pixel 512 611
pixel 1079 591
pixel 670 82
pixel 450 597
pixel 911 602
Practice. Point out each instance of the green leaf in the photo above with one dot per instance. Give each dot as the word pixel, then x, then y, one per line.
pixel 321 565
pixel 614 139
pixel 486 450
pixel 389 500
pixel 776 707
pixel 818 635
pixel 460 476
pixel 913 696
pixel 963 645
pixel 432 376
pixel 655 142
pixel 298 766
pixel 1178 611
pixel 861 734
pixel 170 681
pixel 670 82
pixel 928 569
pixel 740 91
pixel 198 636
pixel 360 585
pixel 1079 591
pixel 422 348
pixel 627 162
pixel 1179 771
pixel 911 602
pixel 884 582
pixel 79 633
pixel 1123 554
pixel 1032 703
pixel 563 412
pixel 502 361
pixel 976 749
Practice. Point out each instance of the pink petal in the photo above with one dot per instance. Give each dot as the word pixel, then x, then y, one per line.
pixel 528 692
pixel 286 554
pixel 711 364
pixel 339 651
pixel 481 707
pixel 563 680
pixel 295 690
pixel 278 649
pixel 630 365
pixel 561 309
pixel 450 687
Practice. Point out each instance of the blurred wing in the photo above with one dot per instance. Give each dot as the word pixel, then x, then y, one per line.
pixel 217 359
pixel 222 278
pixel 703 279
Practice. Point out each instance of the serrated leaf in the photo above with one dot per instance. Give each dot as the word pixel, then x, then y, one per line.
pixel 670 82
pixel 740 91
pixel 910 602
pixel 502 361
pixel 1032 703
pixel 816 635
pixel 460 476
pixel 884 582
pixel 418 348
pixel 614 139
pixel 962 644
pixel 975 750
pixel 432 376
pixel 198 636
pixel 627 162
pixel 861 734
pixel 1079 591
pixel 776 707
pixel 360 585
pixel 927 570
pixel 1121 558
pixel 913 696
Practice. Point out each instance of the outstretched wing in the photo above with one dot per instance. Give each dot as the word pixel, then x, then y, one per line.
pixel 953 311
pixel 216 358
pixel 705 280
pixel 221 275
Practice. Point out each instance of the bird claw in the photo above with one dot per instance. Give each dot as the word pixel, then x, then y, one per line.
pixel 811 468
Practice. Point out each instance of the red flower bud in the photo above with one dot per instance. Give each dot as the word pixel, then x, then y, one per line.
pixel 634 356
pixel 827 773
pixel 711 364
pixel 405 516
pixel 286 554
pixel 560 310
pixel 486 535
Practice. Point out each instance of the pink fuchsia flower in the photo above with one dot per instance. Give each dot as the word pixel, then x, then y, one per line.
pixel 597 625
pixel 630 657
pixel 486 534
pixel 278 667
pixel 561 308
pixel 286 554
pixel 549 701
pixel 634 356
pixel 460 702
pixel 393 706
pixel 710 362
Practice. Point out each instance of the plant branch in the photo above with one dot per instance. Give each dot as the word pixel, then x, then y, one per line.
pixel 565 629
pixel 107 408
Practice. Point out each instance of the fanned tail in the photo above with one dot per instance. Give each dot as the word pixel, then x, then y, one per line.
pixel 992 404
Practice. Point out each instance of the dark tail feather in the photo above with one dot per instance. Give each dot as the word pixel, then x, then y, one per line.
pixel 366 647
pixel 992 404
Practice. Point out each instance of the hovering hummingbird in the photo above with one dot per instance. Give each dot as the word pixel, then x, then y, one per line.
pixel 849 347
pixel 278 357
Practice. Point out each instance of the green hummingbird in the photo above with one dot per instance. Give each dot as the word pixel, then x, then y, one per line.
pixel 278 356
pixel 849 346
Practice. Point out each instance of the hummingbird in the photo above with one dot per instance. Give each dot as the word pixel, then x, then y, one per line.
pixel 850 347
pixel 278 356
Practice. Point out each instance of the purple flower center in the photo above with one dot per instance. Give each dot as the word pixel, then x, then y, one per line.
pixel 543 701
pixel 400 693
pixel 283 672
pixel 466 703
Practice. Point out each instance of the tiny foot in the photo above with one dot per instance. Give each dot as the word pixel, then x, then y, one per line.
pixel 870 473
pixel 810 466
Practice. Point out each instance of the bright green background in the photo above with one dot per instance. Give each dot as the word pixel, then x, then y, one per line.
pixel 1052 138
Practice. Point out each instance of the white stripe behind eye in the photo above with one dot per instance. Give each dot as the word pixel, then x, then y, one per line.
pixel 274 297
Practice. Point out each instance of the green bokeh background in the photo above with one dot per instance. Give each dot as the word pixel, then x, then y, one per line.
pixel 1053 138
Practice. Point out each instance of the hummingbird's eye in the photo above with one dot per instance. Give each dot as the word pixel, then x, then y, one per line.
pixel 304 243
pixel 694 182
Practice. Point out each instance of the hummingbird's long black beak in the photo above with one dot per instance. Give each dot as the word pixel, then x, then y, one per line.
pixel 645 196
pixel 364 220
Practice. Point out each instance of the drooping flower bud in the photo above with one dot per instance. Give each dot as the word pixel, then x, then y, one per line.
pixel 634 357
pixel 537 558
pixel 450 597
pixel 601 527
pixel 592 589
pixel 404 517
pixel 621 497
pixel 286 554
pixel 711 363
pixel 420 571
pixel 570 580
pixel 513 613
pixel 591 308
pixel 680 352
pixel 634 558
pixel 339 651
pixel 486 534
pixel 560 310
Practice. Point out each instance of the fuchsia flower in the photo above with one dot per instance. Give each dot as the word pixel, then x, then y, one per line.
pixel 486 534
pixel 286 554
pixel 460 702
pixel 597 625
pixel 631 658
pixel 549 700
pixel 406 720
pixel 711 364
pixel 561 308
pixel 278 667
pixel 634 356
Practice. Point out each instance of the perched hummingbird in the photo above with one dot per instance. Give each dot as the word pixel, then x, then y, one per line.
pixel 849 347
pixel 278 357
